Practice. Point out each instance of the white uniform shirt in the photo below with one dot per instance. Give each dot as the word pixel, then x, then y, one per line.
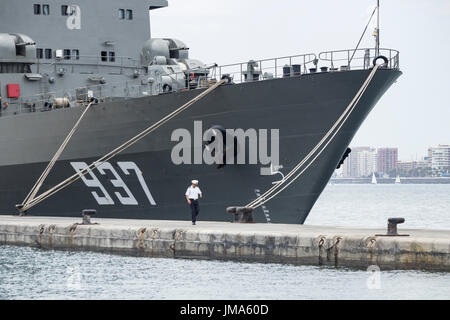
pixel 193 193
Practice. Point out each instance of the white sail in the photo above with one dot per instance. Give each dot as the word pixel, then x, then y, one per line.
pixel 374 179
pixel 397 180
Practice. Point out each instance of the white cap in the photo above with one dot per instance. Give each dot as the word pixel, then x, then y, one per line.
pixel 194 181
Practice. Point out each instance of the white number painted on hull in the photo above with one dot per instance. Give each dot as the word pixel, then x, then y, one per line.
pixel 130 200
pixel 125 166
pixel 118 182
pixel 93 183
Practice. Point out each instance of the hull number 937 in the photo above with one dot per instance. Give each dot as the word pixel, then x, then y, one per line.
pixel 125 197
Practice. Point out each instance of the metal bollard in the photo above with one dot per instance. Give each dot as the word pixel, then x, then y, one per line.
pixel 86 214
pixel 392 227
pixel 241 214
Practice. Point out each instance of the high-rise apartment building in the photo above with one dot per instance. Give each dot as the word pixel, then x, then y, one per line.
pixel 440 159
pixel 360 163
pixel 387 159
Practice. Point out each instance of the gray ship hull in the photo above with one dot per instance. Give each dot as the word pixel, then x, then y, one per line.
pixel 303 108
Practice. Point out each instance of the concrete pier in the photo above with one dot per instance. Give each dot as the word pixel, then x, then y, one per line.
pixel 275 243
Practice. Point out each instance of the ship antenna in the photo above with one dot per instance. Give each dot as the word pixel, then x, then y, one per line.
pixel 377 34
pixel 364 32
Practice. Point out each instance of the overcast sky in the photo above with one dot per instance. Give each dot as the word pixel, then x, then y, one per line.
pixel 413 115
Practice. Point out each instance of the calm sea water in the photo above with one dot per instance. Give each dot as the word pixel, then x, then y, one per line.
pixel 30 273
pixel 422 205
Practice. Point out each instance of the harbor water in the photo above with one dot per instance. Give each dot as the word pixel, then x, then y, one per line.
pixel 31 273
pixel 424 206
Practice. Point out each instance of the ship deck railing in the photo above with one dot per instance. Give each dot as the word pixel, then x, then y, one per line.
pixel 253 70
pixel 266 68
pixel 297 65
pixel 363 58
pixel 43 102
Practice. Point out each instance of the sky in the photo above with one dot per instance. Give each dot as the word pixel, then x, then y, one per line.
pixel 413 115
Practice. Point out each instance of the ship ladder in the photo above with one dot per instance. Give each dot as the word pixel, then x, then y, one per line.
pixel 31 200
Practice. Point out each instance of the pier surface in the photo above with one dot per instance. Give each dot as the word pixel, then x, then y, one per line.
pixel 274 243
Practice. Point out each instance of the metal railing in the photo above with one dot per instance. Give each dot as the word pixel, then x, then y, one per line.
pixel 75 97
pixel 351 59
pixel 253 70
pixel 267 68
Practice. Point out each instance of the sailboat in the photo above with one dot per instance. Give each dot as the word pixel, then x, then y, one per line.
pixel 374 179
pixel 397 180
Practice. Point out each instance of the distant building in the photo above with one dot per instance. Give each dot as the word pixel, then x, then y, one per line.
pixel 429 155
pixel 404 167
pixel 387 159
pixel 360 163
pixel 363 161
pixel 367 160
pixel 440 159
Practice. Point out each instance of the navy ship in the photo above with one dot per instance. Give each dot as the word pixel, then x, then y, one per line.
pixel 90 71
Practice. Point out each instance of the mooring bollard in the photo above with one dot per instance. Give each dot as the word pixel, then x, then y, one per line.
pixel 241 214
pixel 392 227
pixel 86 214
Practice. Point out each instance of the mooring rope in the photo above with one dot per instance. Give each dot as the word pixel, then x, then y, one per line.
pixel 35 189
pixel 279 187
pixel 125 145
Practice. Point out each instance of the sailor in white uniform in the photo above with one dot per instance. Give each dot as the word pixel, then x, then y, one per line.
pixel 193 193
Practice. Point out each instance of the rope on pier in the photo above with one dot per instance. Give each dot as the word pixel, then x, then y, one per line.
pixel 52 162
pixel 322 144
pixel 32 202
